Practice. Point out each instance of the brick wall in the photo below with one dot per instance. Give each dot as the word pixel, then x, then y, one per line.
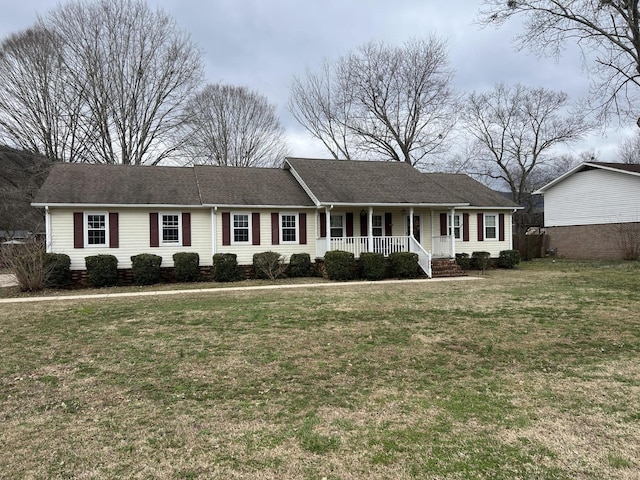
pixel 588 242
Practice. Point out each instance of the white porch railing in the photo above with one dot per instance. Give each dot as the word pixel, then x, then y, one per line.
pixel 441 246
pixel 384 245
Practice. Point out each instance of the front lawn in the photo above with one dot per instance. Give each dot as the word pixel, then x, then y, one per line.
pixel 530 373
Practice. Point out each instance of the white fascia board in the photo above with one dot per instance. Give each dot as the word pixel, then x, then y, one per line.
pixel 271 207
pixel 488 207
pixel 304 186
pixel 395 205
pixel 114 205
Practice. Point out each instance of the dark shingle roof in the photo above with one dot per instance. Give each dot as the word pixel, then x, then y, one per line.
pixel 70 183
pixel 626 167
pixel 369 182
pixel 472 191
pixel 249 186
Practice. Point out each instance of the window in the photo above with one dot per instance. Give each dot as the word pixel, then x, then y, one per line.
pixel 170 228
pixel 96 229
pixel 457 226
pixel 241 228
pixel 337 226
pixel 490 227
pixel 376 225
pixel 288 227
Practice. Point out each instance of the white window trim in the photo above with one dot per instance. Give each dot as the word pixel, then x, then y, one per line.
pixel 344 225
pixel 297 228
pixel 381 227
pixel 451 228
pixel 161 241
pixel 233 228
pixel 495 226
pixel 85 228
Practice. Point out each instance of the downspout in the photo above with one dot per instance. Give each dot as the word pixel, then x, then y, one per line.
pixel 214 230
pixel 47 230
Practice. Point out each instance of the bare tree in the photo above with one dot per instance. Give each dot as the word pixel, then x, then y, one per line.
pixel 38 111
pixel 516 130
pixel 234 126
pixel 394 103
pixel 629 150
pixel 607 32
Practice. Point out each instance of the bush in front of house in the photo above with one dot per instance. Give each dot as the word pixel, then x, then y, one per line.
pixel 146 269
pixel 340 265
pixel 300 265
pixel 225 267
pixel 404 264
pixel 57 267
pixel 186 266
pixel 480 260
pixel 463 260
pixel 508 258
pixel 269 265
pixel 372 266
pixel 102 270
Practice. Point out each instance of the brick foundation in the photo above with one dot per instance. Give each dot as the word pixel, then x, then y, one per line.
pixel 587 242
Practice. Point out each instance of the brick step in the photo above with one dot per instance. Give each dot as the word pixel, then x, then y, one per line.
pixel 446 268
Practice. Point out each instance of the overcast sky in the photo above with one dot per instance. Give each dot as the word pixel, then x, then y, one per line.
pixel 262 44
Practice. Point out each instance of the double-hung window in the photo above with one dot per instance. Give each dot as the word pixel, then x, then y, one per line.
pixel 96 229
pixel 241 228
pixel 337 226
pixel 455 226
pixel 289 227
pixel 490 227
pixel 376 225
pixel 170 228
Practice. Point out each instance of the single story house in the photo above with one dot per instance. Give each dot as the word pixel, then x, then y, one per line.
pixel 307 206
pixel 592 212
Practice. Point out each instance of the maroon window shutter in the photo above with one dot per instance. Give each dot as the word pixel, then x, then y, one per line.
pixel 388 227
pixel 349 220
pixel 323 225
pixel 154 236
pixel 302 218
pixel 255 228
pixel 480 227
pixel 226 228
pixel 186 229
pixel 275 228
pixel 501 227
pixel 443 225
pixel 114 230
pixel 364 225
pixel 465 227
pixel 78 230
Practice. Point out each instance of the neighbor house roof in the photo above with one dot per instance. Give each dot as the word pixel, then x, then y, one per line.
pixel 625 168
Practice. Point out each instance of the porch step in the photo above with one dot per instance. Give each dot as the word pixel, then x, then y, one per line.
pixel 446 267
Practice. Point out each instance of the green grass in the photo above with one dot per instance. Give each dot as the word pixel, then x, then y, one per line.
pixel 531 373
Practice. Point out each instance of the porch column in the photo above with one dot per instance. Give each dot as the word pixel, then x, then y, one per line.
pixel 327 222
pixel 370 230
pixel 453 234
pixel 411 223
pixel 47 230
pixel 214 230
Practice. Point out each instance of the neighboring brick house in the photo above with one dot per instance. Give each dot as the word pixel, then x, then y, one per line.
pixel 308 206
pixel 592 212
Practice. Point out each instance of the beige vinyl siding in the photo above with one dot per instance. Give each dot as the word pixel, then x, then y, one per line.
pixel 245 252
pixel 593 197
pixel 494 247
pixel 133 236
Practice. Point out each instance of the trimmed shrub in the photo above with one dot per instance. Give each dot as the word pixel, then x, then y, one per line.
pixel 372 266
pixel 102 270
pixel 480 260
pixel 57 267
pixel 404 264
pixel 300 265
pixel 463 260
pixel 186 266
pixel 340 265
pixel 225 267
pixel 146 268
pixel 269 265
pixel 508 258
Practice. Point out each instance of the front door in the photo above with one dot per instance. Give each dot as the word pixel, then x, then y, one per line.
pixel 417 229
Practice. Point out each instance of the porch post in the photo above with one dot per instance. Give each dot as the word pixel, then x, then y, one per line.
pixel 47 229
pixel 327 222
pixel 370 230
pixel 411 223
pixel 214 230
pixel 453 234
